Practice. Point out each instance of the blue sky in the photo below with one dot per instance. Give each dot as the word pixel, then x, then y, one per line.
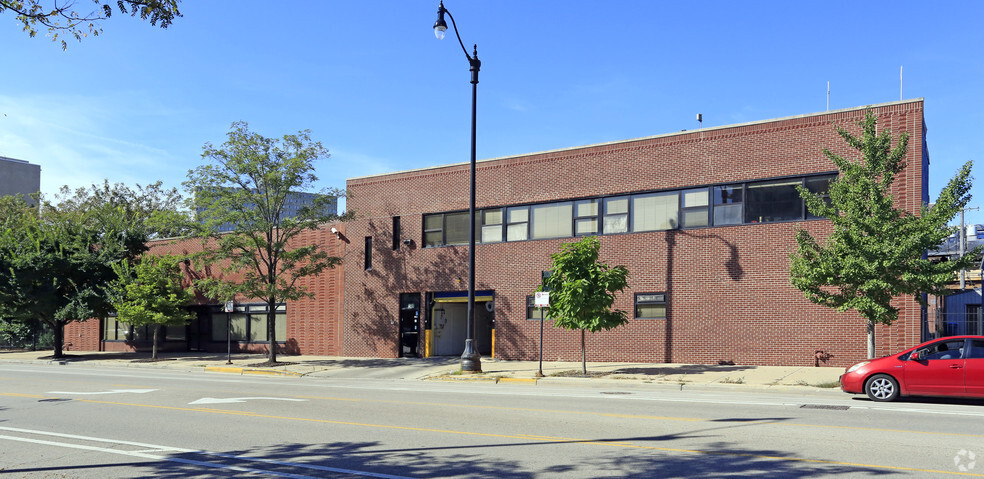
pixel 137 103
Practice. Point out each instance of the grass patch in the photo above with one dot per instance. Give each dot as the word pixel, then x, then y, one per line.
pixel 738 380
pixel 827 385
pixel 574 373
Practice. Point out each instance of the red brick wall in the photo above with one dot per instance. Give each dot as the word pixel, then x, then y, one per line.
pixel 729 292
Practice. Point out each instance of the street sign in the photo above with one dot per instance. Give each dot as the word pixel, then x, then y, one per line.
pixel 229 306
pixel 541 299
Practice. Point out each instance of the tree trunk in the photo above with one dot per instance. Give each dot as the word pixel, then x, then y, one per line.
pixel 59 331
pixel 153 350
pixel 272 328
pixel 584 361
pixel 871 339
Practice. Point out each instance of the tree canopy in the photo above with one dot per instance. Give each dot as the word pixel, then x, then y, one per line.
pixel 248 188
pixel 63 17
pixel 876 251
pixel 582 290
pixel 148 292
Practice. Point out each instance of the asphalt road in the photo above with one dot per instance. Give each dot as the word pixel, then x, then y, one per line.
pixel 88 422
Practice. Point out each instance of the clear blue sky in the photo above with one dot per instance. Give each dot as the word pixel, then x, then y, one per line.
pixel 137 103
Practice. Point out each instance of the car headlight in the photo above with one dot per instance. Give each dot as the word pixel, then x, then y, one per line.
pixel 856 366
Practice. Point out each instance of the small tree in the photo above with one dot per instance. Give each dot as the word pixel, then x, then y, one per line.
pixel 582 290
pixel 247 189
pixel 876 251
pixel 149 292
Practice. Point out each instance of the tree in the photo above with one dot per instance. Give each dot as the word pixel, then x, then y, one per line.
pixel 876 252
pixel 153 208
pixel 247 188
pixel 582 290
pixel 56 264
pixel 63 18
pixel 148 292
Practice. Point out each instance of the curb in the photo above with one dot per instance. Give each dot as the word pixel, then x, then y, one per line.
pixel 244 371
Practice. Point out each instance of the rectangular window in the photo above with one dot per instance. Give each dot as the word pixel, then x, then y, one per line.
pixel 396 233
pixel 456 228
pixel 586 217
pixel 695 208
pixel 727 205
pixel 821 186
pixel 368 254
pixel 533 313
pixel 175 333
pixel 552 220
pixel 655 211
pixel 616 215
pixel 650 305
pixel 433 230
pixel 491 226
pixel 249 323
pixel 772 201
pixel 518 220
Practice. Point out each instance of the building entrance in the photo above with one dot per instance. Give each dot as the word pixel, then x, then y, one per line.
pixel 447 328
pixel 409 325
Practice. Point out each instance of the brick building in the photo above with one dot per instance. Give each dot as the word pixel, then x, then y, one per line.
pixel 704 220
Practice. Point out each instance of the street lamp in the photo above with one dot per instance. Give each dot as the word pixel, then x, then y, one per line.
pixel 471 360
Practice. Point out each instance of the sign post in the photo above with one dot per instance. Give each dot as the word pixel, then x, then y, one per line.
pixel 229 307
pixel 541 299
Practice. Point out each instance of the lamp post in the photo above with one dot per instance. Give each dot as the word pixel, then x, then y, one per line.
pixel 471 360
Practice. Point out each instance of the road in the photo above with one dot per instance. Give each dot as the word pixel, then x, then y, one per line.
pixel 128 422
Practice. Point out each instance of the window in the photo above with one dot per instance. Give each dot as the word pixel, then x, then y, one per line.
pixel 456 228
pixel 771 201
pixel 552 220
pixel 650 305
pixel 585 217
pixel 115 330
pixel 616 215
pixel 976 349
pixel 368 254
pixel 396 233
pixel 249 323
pixel 491 226
pixel 695 204
pixel 821 186
pixel 518 220
pixel 433 230
pixel 655 211
pixel 533 313
pixel 949 349
pixel 727 205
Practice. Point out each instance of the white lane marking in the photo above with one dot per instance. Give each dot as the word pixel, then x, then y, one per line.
pixel 234 400
pixel 154 447
pixel 112 391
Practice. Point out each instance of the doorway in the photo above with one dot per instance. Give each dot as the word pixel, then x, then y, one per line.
pixel 448 313
pixel 409 325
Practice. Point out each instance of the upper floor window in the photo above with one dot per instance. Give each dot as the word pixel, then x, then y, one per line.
pixel 727 205
pixel 552 220
pixel 771 201
pixel 518 225
pixel 695 204
pixel 585 217
pixel 491 225
pixel 655 211
pixel 616 215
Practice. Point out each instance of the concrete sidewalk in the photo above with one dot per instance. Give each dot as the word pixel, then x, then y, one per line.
pixel 448 369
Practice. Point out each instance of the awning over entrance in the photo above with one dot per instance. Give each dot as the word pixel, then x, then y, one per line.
pixel 462 296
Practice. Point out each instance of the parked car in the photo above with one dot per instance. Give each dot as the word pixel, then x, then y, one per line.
pixel 951 366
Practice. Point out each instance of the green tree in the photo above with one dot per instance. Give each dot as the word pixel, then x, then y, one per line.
pixel 56 264
pixel 62 17
pixel 247 188
pixel 582 290
pixel 148 292
pixel 876 251
pixel 156 210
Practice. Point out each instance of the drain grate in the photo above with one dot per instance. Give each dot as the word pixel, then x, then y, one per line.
pixel 825 406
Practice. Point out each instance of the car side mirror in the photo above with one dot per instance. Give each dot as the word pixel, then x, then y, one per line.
pixel 917 354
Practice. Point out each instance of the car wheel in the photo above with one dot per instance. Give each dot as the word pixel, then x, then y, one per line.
pixel 882 387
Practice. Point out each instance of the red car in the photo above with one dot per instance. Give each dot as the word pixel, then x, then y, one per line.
pixel 951 366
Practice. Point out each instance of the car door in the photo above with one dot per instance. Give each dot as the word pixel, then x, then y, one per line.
pixel 974 368
pixel 939 370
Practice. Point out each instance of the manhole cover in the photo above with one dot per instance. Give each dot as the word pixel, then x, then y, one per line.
pixel 825 406
pixel 615 392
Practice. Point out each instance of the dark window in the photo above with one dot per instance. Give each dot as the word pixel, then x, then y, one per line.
pixel 650 305
pixel 821 186
pixel 771 201
pixel 433 230
pixel 368 253
pixel 727 205
pixel 396 233
pixel 976 349
pixel 249 323
pixel 456 228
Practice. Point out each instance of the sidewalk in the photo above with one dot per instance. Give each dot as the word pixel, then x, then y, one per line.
pixel 448 369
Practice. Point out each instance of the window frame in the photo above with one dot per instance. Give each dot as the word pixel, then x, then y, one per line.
pixel 657 298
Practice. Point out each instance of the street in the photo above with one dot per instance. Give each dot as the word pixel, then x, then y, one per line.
pixel 129 422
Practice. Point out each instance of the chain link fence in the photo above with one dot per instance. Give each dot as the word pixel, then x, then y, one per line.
pixel 30 335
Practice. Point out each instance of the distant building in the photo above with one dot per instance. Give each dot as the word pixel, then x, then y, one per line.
pixel 295 201
pixel 959 312
pixel 18 177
